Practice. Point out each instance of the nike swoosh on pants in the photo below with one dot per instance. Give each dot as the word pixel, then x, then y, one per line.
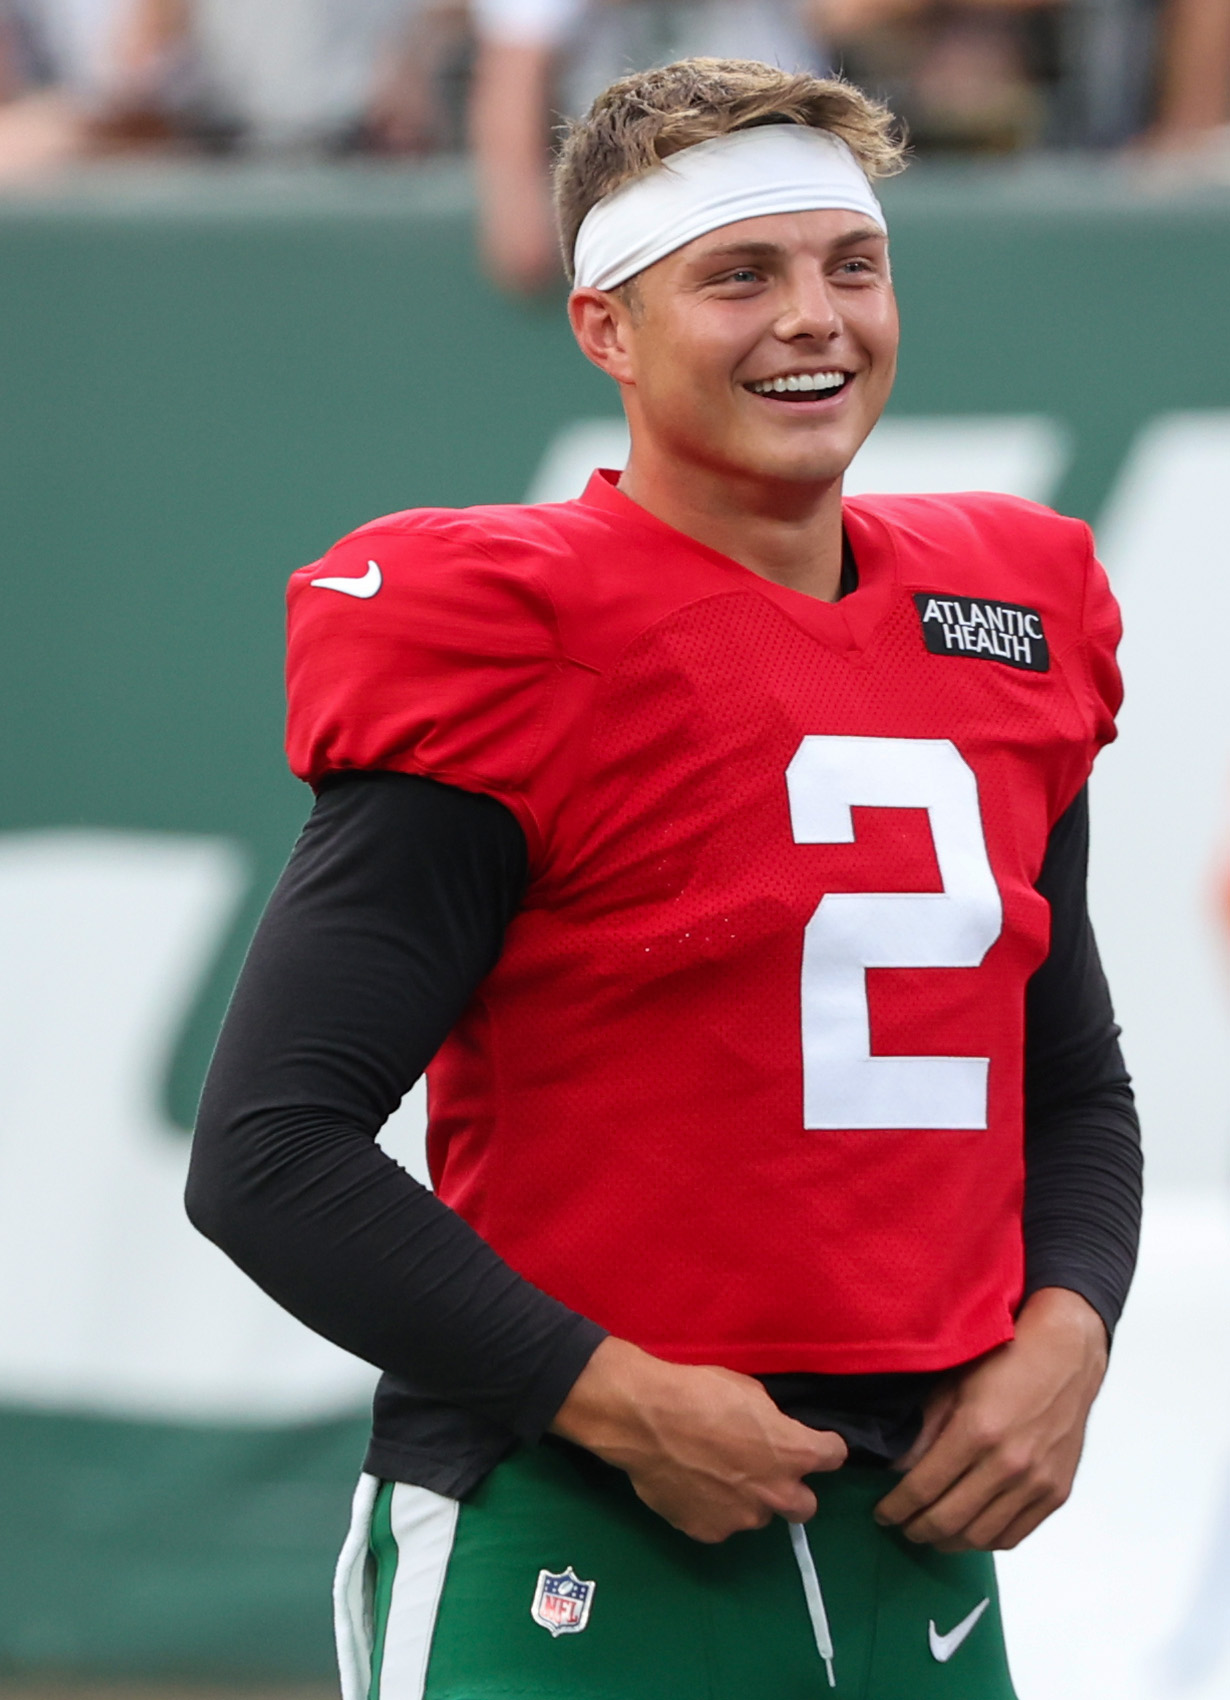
pixel 944 1646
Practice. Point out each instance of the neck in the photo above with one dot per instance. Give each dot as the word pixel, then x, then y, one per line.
pixel 787 532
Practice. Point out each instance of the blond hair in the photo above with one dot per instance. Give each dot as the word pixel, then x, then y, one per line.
pixel 642 119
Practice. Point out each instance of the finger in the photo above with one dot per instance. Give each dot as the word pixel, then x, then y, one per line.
pixel 934 1423
pixel 1027 1521
pixel 829 1451
pixel 813 1450
pixel 797 1504
pixel 1005 1486
pixel 711 1532
pixel 1004 1492
pixel 950 1458
pixel 1005 1525
pixel 1032 1502
pixel 981 1533
pixel 952 1514
pixel 700 1517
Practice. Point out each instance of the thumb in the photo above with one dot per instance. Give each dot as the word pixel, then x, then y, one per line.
pixel 829 1450
pixel 823 1449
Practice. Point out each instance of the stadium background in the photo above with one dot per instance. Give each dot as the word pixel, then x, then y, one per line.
pixel 204 378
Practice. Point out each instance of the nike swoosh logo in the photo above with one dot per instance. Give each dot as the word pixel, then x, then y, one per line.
pixel 366 586
pixel 944 1646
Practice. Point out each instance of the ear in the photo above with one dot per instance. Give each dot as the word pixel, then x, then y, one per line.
pixel 605 332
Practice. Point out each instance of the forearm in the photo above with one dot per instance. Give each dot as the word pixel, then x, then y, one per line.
pixel 508 115
pixel 1083 1201
pixel 1195 75
pixel 509 127
pixel 344 1239
pixel 390 913
pixel 1083 1171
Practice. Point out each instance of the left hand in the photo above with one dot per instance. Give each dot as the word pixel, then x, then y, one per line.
pixel 1001 1441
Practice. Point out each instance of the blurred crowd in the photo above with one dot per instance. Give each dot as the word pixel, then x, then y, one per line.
pixel 414 78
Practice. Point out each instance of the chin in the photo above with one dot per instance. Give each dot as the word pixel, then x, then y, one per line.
pixel 802 469
pixel 800 462
pixel 773 461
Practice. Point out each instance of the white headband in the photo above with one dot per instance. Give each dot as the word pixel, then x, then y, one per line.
pixel 772 168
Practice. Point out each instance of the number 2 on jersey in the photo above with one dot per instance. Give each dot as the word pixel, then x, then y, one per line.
pixel 844 1086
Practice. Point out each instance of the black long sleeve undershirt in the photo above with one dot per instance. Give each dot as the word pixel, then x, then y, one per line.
pixel 391 911
pixel 1083 1167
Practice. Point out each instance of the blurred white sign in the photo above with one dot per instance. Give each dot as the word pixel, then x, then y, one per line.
pixel 1161 824
pixel 1018 454
pixel 121 1306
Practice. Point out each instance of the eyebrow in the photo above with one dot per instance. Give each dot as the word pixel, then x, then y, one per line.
pixel 866 233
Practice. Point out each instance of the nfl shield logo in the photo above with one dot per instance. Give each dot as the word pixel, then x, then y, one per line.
pixel 562 1601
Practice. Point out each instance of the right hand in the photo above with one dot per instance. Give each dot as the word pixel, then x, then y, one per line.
pixel 705 1448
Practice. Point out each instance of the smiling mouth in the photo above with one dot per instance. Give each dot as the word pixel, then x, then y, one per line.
pixel 802 386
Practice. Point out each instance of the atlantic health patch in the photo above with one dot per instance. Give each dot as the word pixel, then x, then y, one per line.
pixel 991 631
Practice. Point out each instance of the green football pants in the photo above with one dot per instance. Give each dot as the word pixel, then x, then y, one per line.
pixel 553 1582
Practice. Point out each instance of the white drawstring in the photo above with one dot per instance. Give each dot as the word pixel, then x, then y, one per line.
pixel 814 1598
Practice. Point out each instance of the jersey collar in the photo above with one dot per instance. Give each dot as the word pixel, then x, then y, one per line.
pixel 850 623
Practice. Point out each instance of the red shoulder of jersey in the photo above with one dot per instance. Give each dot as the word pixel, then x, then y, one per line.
pixel 986 545
pixel 426 642
pixel 463 644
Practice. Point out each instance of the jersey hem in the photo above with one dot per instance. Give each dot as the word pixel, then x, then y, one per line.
pixel 799 1358
pixel 454 1477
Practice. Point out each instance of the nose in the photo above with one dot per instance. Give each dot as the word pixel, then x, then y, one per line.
pixel 811 309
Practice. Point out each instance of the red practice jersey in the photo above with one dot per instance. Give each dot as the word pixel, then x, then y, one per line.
pixel 746 1084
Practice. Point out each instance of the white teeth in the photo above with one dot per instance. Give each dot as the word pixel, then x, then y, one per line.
pixel 811 381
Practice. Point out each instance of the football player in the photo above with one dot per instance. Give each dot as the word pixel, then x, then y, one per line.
pixel 720 845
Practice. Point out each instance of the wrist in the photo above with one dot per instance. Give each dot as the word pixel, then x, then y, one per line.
pixel 606 1401
pixel 1060 1309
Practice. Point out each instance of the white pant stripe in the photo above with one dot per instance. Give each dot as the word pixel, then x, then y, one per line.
pixel 424 1524
pixel 352 1627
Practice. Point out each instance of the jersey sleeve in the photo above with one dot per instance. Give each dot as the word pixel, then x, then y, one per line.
pixel 413 650
pixel 1101 628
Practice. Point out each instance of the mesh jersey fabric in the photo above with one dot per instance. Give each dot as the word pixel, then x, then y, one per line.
pixel 621 1111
